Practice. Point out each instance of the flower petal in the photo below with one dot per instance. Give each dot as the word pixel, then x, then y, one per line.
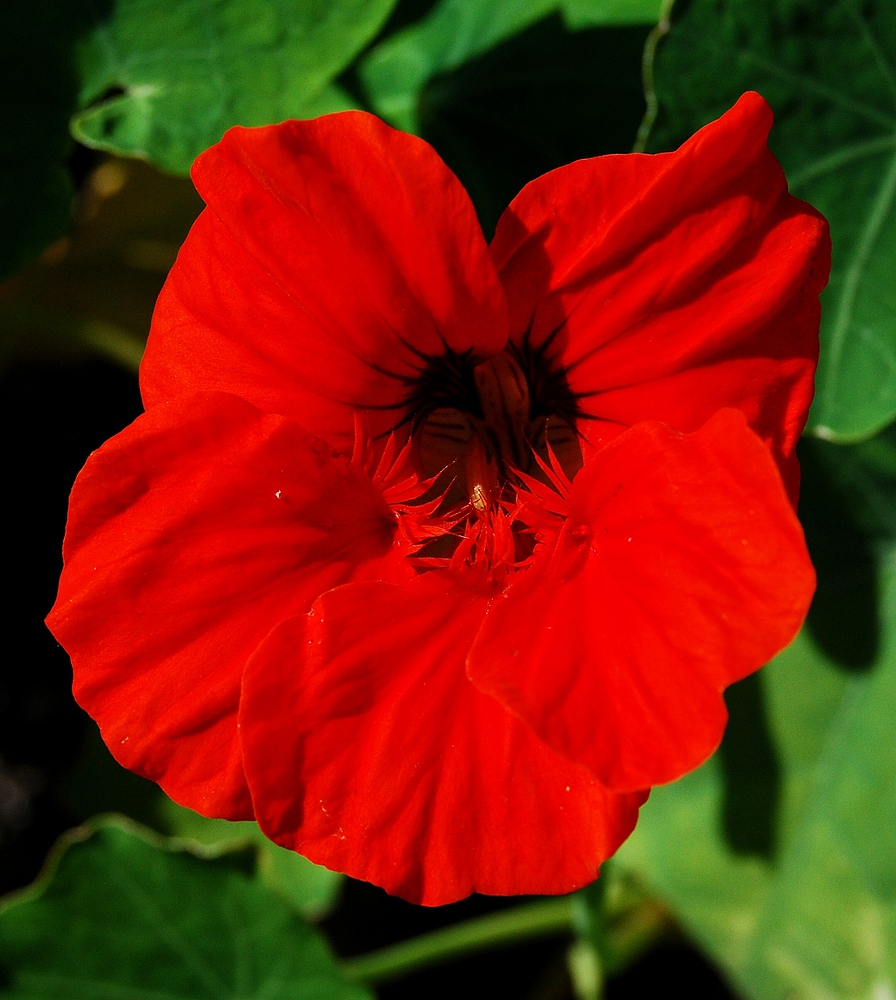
pixel 335 255
pixel 369 751
pixel 191 534
pixel 677 283
pixel 681 569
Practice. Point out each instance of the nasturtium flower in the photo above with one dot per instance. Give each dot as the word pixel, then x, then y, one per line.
pixel 434 555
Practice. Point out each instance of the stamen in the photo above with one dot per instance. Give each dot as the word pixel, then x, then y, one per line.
pixel 515 453
pixel 481 473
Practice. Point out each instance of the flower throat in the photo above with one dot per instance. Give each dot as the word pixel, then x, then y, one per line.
pixel 489 438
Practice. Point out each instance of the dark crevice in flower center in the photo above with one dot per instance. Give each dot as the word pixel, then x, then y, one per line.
pixel 444 380
pixel 489 421
pixel 549 389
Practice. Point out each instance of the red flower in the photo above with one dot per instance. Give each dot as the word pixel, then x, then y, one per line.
pixel 277 603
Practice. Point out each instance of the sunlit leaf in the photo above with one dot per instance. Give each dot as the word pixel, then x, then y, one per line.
pixel 829 71
pixel 817 918
pixel 119 914
pixel 164 81
pixel 679 847
pixel 828 927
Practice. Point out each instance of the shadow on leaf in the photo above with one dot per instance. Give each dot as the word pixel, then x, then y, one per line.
pixel 843 619
pixel 752 772
pixel 540 100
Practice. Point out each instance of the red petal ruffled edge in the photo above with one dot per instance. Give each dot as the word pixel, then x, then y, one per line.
pixel 368 750
pixel 681 569
pixel 336 256
pixel 191 534
pixel 668 286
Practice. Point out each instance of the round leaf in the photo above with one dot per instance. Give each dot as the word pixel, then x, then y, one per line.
pixel 119 915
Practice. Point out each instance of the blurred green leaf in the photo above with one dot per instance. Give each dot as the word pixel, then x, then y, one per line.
pixel 680 850
pixel 164 81
pixel 829 71
pixel 456 31
pixel 99 784
pixel 309 889
pixel 592 13
pixel 829 925
pixel 94 290
pixel 819 920
pixel 119 913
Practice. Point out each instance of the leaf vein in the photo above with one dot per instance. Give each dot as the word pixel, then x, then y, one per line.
pixel 876 217
pixel 840 158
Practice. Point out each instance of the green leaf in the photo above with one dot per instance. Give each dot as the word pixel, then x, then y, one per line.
pixel 828 926
pixel 535 100
pixel 455 31
pixel 680 850
pixel 591 13
pixel 396 72
pixel 99 784
pixel 818 918
pixel 159 80
pixel 819 922
pixel 120 915
pixel 164 81
pixel 829 71
pixel 310 889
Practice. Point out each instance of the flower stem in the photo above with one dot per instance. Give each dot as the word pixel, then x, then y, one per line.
pixel 518 923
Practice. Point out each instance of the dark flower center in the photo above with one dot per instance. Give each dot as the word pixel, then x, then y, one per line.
pixel 496 427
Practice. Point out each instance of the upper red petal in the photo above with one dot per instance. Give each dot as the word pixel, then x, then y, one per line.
pixel 368 750
pixel 678 283
pixel 191 534
pixel 333 256
pixel 682 568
